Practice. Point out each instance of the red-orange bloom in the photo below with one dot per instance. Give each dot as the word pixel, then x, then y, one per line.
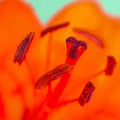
pixel 84 44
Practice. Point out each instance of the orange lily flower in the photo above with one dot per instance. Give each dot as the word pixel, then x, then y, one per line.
pixel 81 37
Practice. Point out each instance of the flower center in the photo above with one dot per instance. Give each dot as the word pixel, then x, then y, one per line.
pixel 75 48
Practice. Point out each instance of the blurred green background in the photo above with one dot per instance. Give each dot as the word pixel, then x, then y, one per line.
pixel 46 8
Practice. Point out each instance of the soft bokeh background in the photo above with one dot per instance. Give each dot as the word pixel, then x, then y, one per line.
pixel 47 8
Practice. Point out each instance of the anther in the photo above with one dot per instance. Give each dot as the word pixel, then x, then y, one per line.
pixel 89 36
pixel 23 48
pixel 111 63
pixel 53 74
pixel 86 93
pixel 53 28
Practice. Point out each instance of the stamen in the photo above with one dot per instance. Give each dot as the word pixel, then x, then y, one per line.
pixel 53 74
pixel 111 63
pixel 53 28
pixel 86 93
pixel 75 49
pixel 23 48
pixel 89 36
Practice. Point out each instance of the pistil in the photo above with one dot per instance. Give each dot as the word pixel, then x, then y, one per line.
pixel 75 49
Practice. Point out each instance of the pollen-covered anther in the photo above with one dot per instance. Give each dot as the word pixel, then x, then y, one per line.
pixel 75 49
pixel 89 35
pixel 53 28
pixel 86 93
pixel 52 75
pixel 23 48
pixel 111 63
